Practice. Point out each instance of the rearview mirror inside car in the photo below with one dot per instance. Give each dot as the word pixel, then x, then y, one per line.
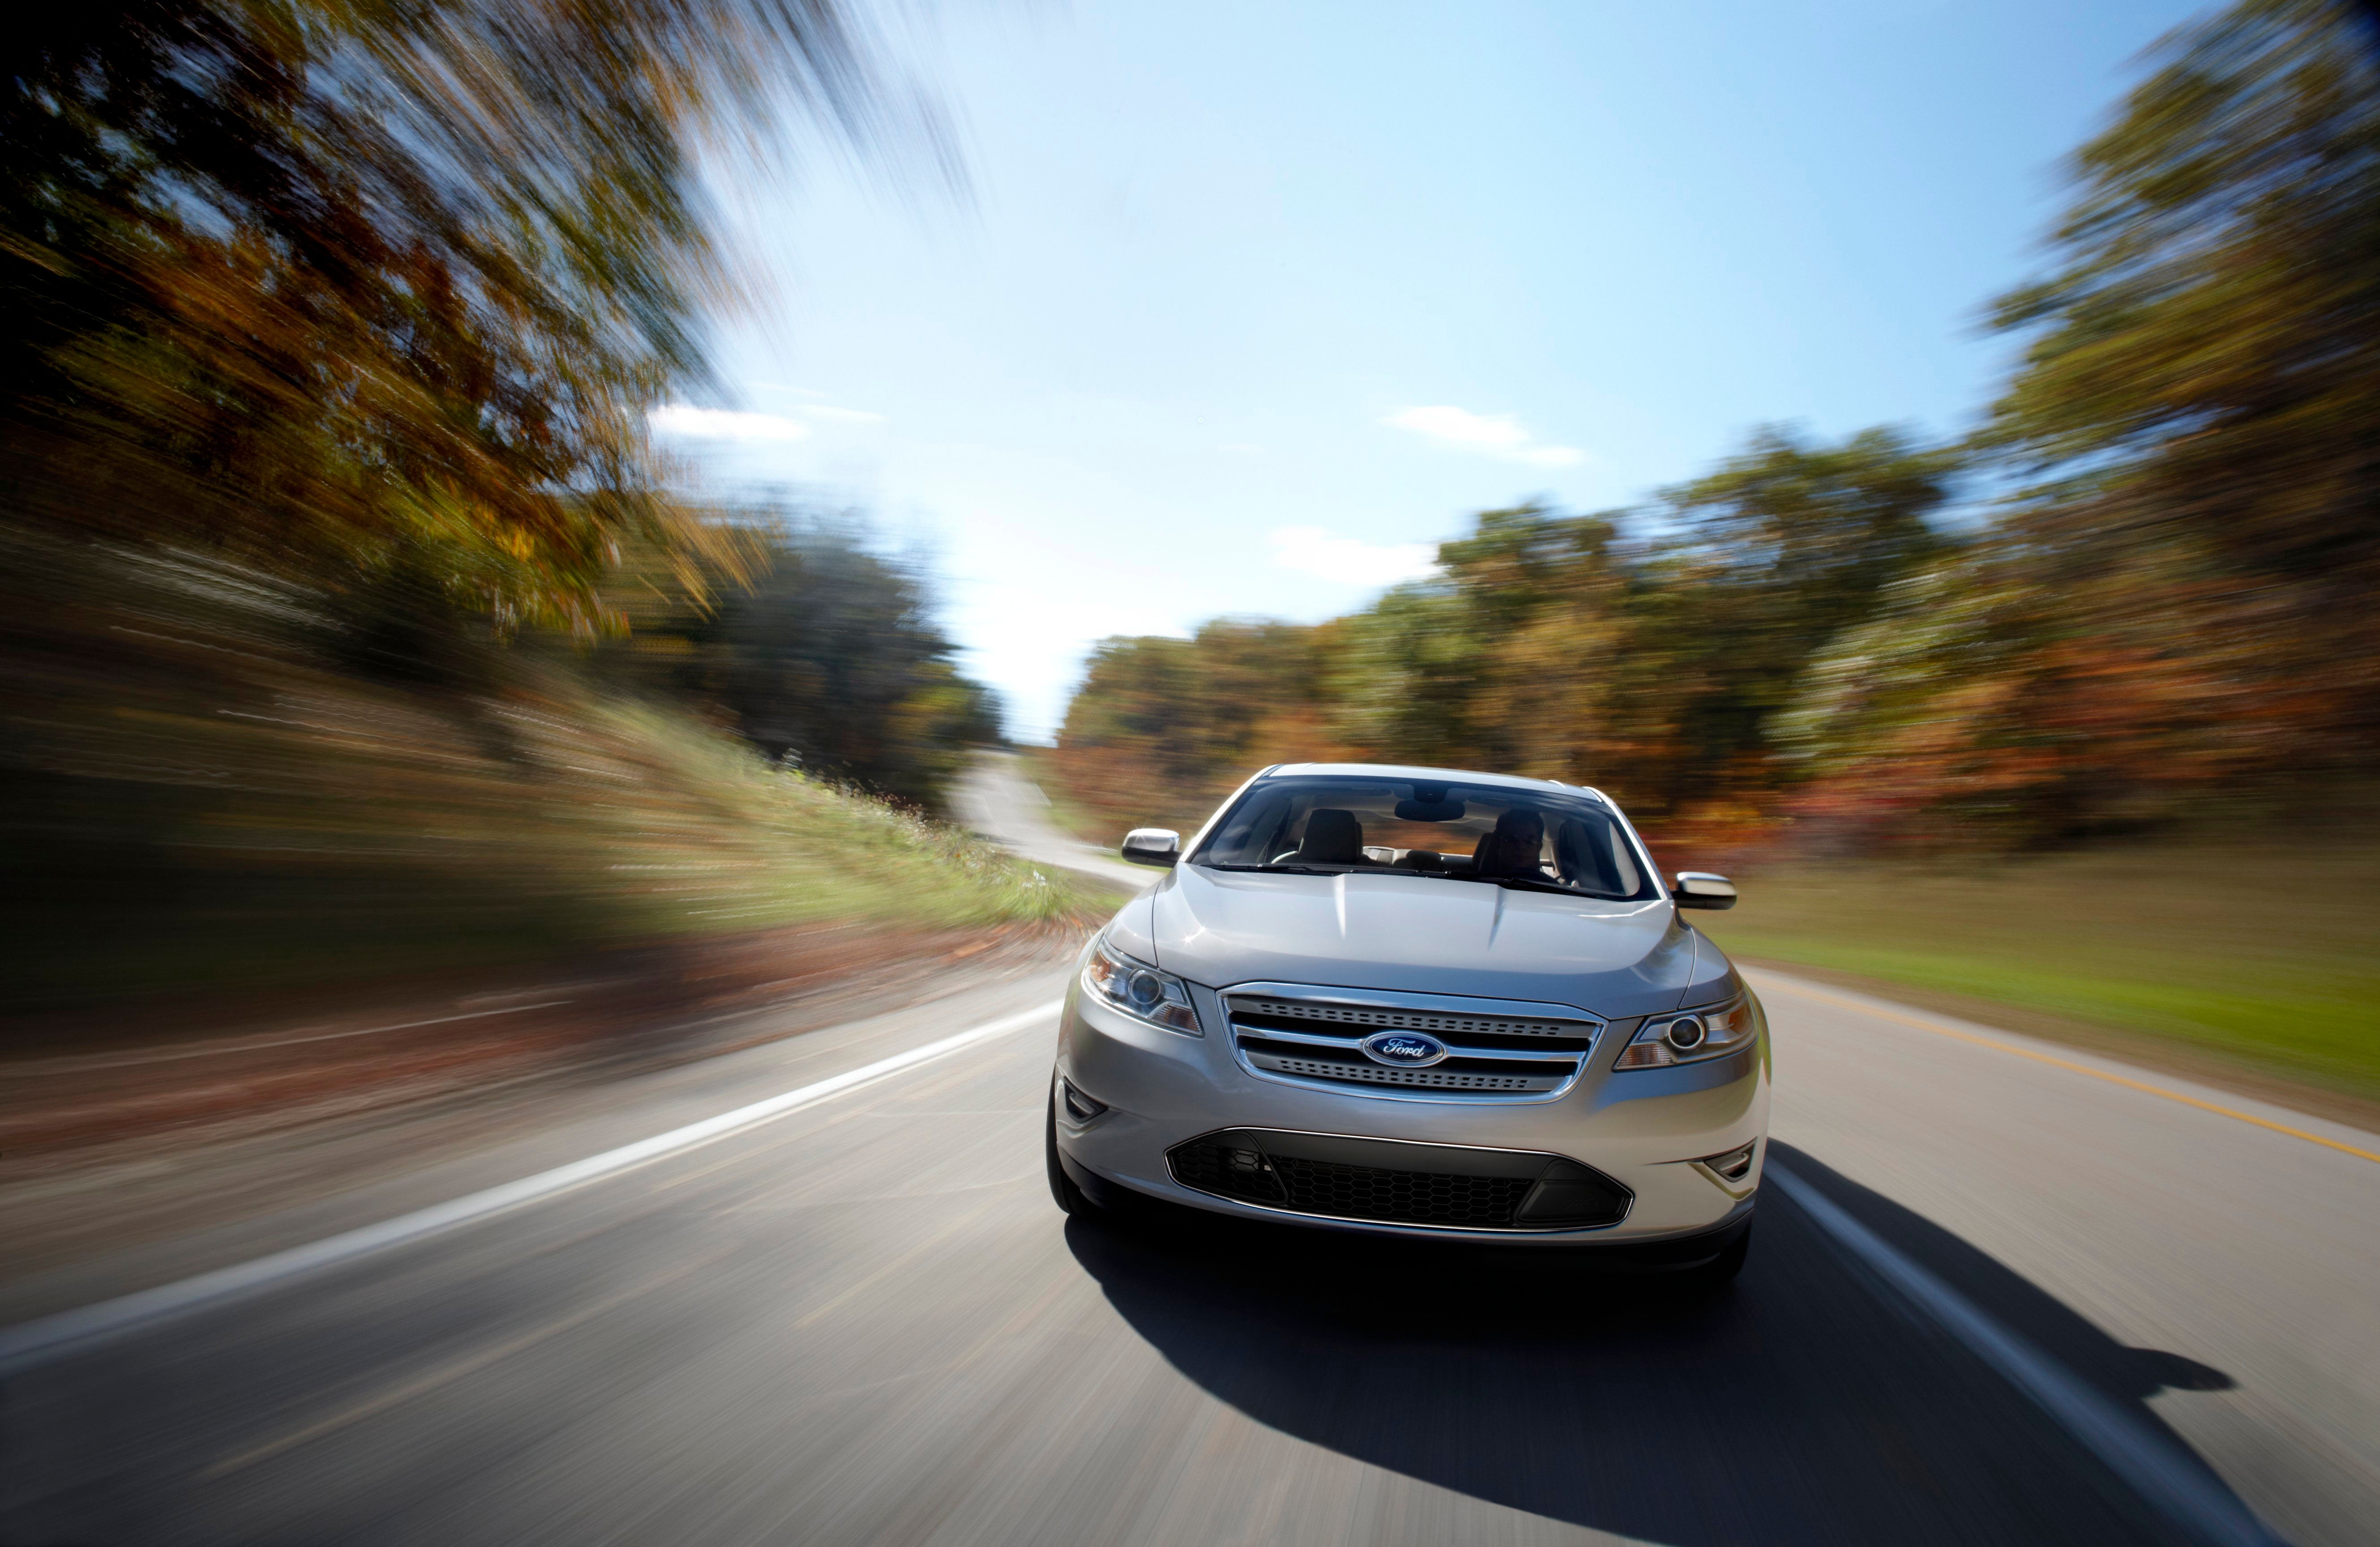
pixel 1159 846
pixel 1700 888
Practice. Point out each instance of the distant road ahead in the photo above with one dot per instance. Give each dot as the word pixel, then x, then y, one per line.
pixel 996 799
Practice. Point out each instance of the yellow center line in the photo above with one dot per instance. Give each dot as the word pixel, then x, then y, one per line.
pixel 1939 1030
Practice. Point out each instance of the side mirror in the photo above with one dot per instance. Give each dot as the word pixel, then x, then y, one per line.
pixel 1700 888
pixel 1158 846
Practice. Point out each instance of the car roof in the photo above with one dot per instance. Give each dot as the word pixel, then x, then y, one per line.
pixel 1454 776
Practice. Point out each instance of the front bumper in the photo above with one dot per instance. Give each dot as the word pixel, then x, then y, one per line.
pixel 1644 1130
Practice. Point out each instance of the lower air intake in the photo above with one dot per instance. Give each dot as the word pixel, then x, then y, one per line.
pixel 1410 1197
pixel 1340 1178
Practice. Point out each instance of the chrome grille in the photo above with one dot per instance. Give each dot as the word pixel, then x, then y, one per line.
pixel 1314 1036
pixel 1382 1018
pixel 1380 1074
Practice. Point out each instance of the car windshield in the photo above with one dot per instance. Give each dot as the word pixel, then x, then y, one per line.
pixel 1530 839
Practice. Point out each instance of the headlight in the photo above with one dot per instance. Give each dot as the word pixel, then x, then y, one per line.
pixel 1688 1036
pixel 1140 990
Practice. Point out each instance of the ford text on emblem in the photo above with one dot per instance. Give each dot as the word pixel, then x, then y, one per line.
pixel 1404 1049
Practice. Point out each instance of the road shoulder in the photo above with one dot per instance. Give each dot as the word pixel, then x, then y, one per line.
pixel 2113 1067
pixel 2154 1056
pixel 110 1219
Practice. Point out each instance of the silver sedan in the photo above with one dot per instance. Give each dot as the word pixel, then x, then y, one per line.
pixel 1422 1002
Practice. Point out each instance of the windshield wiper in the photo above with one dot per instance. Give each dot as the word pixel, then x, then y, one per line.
pixel 1526 883
pixel 1516 883
pixel 1284 869
pixel 1530 883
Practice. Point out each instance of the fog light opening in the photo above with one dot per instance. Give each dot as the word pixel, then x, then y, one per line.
pixel 1735 1164
pixel 1080 1108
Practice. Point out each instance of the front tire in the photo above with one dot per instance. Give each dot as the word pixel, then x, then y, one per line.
pixel 1069 1197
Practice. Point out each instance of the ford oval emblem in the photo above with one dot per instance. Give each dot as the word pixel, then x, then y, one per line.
pixel 1404 1049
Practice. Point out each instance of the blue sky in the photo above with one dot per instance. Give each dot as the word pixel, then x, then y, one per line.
pixel 1245 307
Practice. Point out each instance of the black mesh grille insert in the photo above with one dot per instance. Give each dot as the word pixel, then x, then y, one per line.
pixel 1238 1165
pixel 1411 1197
pixel 1319 1174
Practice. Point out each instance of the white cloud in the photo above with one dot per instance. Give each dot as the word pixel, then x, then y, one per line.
pixel 1498 435
pixel 1313 550
pixel 833 415
pixel 720 424
pixel 1462 428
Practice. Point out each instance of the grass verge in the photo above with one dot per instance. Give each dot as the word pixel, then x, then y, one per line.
pixel 2243 954
pixel 204 791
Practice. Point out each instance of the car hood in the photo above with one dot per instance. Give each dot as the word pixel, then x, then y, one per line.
pixel 1422 935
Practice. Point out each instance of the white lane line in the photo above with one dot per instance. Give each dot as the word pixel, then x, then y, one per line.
pixel 37 1342
pixel 2175 1483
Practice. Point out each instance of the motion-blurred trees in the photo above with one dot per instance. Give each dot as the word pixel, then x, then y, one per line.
pixel 328 336
pixel 1158 723
pixel 378 293
pixel 1641 649
pixel 828 657
pixel 2205 362
pixel 2175 598
pixel 1778 550
pixel 2200 390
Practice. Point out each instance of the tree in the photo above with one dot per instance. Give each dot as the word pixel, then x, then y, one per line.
pixel 2203 363
pixel 2193 412
pixel 828 657
pixel 1642 650
pixel 1162 728
pixel 374 292
pixel 1517 659
pixel 1764 560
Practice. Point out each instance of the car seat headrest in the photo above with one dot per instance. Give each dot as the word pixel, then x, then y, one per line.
pixel 1333 836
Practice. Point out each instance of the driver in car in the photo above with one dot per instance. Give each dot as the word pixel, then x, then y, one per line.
pixel 1516 847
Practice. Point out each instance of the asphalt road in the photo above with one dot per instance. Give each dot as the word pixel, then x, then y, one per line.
pixel 2001 1292
pixel 862 1321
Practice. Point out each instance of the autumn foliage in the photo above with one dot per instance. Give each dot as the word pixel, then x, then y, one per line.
pixel 2147 579
pixel 329 335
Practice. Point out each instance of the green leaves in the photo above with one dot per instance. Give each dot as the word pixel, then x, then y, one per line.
pixel 1643 651
pixel 338 288
pixel 2204 360
pixel 825 656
